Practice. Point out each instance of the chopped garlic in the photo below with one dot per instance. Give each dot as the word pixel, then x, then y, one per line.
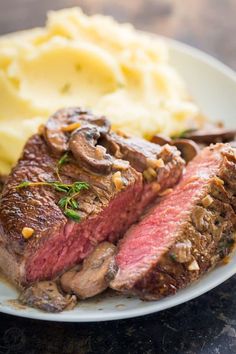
pixel 219 181
pixel 152 172
pixel 117 180
pixel 160 163
pixel 27 232
pixel 149 174
pixel 120 164
pixel 155 163
pixel 193 266
pixel 207 201
pixel 71 127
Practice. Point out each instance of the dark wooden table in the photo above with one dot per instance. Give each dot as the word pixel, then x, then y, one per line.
pixel 203 326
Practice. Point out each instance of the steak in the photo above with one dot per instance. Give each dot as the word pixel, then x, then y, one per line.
pixel 2 181
pixel 186 234
pixel 117 195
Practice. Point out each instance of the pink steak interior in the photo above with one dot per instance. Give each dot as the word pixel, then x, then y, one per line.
pixel 144 243
pixel 76 241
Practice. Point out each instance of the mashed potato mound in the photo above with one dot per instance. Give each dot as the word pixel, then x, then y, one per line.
pixel 92 62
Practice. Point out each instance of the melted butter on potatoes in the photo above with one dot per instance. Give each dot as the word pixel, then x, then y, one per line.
pixel 91 62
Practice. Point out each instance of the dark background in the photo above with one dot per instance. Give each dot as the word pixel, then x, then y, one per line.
pixel 203 326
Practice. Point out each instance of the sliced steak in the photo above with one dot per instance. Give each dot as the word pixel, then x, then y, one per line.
pixel 116 197
pixel 186 234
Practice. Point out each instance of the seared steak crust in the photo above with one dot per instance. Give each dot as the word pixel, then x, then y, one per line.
pixel 37 207
pixel 106 212
pixel 190 231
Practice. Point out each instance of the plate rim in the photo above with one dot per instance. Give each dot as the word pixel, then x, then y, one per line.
pixel 208 60
pixel 127 314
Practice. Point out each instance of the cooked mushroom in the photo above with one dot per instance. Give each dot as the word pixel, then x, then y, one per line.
pixel 97 272
pixel 45 296
pixel 160 140
pixel 53 133
pixel 60 125
pixel 215 135
pixel 102 123
pixel 188 148
pixel 139 152
pixel 111 146
pixel 93 157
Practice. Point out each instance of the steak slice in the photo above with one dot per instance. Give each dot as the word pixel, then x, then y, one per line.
pixel 186 234
pixel 106 210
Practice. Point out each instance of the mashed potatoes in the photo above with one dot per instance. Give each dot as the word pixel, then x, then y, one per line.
pixel 91 62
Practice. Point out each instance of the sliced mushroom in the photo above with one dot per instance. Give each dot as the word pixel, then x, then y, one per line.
pixel 188 148
pixel 93 157
pixel 160 140
pixel 60 125
pixel 45 296
pixel 97 272
pixel 139 152
pixel 215 135
pixel 111 145
pixel 53 133
pixel 102 123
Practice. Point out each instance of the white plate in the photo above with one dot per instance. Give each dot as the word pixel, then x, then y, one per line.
pixel 213 86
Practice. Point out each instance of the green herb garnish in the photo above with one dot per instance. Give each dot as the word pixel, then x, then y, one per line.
pixel 23 184
pixel 72 214
pixel 68 203
pixel 63 160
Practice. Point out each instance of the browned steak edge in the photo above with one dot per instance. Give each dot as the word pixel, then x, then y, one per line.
pixel 212 232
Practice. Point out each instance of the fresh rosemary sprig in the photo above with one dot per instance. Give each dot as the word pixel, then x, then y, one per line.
pixel 68 203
